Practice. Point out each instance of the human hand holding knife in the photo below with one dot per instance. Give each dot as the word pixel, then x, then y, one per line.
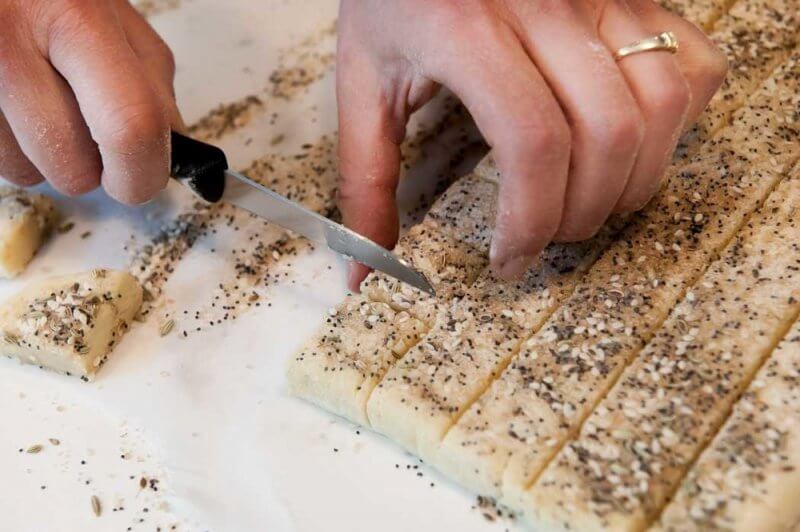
pixel 204 169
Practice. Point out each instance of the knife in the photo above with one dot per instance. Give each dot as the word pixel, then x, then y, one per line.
pixel 204 169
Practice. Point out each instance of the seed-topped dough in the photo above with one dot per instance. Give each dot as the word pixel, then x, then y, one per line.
pixel 749 477
pixel 71 323
pixel 420 396
pixel 451 266
pixel 772 115
pixel 25 220
pixel 466 211
pixel 505 439
pixel 704 13
pixel 471 343
pixel 338 368
pixel 755 36
pixel 641 439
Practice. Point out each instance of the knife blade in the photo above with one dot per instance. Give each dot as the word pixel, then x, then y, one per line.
pixel 204 169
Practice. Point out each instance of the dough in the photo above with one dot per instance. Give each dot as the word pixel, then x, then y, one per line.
pixel 71 323
pixel 503 441
pixel 749 477
pixel 466 211
pixel 451 266
pixel 755 36
pixel 641 439
pixel 25 220
pixel 338 368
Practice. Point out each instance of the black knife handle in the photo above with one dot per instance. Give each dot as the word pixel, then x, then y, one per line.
pixel 199 165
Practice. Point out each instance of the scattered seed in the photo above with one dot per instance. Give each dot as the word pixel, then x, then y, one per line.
pixel 166 327
pixel 54 441
pixel 86 235
pixel 97 508
pixel 11 339
pixel 65 228
pixel 34 449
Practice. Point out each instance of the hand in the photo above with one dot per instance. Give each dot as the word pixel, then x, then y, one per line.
pixel 576 135
pixel 85 98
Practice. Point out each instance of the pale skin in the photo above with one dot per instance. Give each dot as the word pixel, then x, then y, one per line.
pixel 87 100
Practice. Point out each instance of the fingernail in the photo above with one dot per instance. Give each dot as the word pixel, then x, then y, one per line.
pixel 513 268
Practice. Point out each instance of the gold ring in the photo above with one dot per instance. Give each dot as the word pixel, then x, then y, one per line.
pixel 665 41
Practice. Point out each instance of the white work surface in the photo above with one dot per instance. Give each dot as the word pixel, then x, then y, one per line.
pixel 208 416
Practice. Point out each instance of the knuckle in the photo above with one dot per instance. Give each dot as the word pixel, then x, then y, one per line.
pixel 163 55
pixel 620 133
pixel 669 99
pixel 69 16
pixel 549 136
pixel 134 129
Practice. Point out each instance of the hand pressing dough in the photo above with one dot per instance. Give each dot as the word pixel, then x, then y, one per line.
pixel 70 324
pixel 338 368
pixel 641 439
pixel 502 442
pixel 25 221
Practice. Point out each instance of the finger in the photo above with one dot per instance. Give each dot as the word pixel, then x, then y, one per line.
pixel 703 65
pixel 520 118
pixel 369 154
pixel 607 125
pixel 15 167
pixel 45 120
pixel 124 114
pixel 155 56
pixel 662 94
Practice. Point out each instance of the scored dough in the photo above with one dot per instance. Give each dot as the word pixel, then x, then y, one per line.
pixel 755 36
pixel 749 477
pixel 638 443
pixel 450 266
pixel 701 12
pixel 338 368
pixel 25 220
pixel 505 439
pixel 467 211
pixel 416 401
pixel 70 323
pixel 471 343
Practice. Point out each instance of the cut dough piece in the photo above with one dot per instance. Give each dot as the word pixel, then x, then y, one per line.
pixel 772 115
pixel 755 36
pixel 467 211
pixel 25 220
pixel 338 368
pixel 70 324
pixel 423 395
pixel 701 12
pixel 505 439
pixel 451 266
pixel 636 446
pixel 749 477
pixel 531 300
pixel 429 387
